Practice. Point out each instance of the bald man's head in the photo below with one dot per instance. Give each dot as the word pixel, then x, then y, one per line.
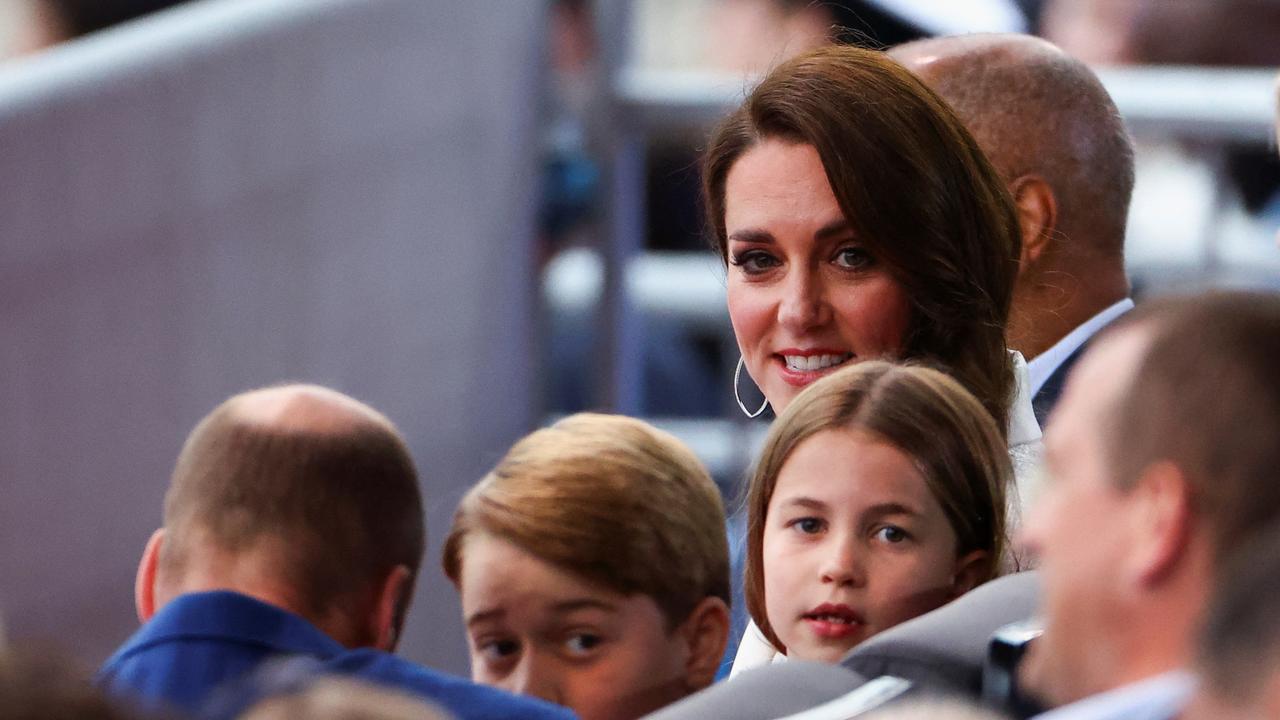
pixel 1037 111
pixel 317 482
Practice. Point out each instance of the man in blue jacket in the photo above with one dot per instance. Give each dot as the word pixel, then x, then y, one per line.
pixel 293 526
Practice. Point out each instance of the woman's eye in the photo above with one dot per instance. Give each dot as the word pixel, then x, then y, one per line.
pixel 891 534
pixel 583 643
pixel 753 261
pixel 854 258
pixel 808 525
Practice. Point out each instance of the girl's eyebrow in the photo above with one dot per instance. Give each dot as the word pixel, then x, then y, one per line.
pixel 804 502
pixel 890 508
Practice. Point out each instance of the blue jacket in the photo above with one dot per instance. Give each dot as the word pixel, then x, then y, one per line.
pixel 204 647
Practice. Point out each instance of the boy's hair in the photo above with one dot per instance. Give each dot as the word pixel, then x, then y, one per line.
pixel 612 500
pixel 923 413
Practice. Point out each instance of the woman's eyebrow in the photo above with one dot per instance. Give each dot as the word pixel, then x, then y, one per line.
pixel 833 229
pixel 763 237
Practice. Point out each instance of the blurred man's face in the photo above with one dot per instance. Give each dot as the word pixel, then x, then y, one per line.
pixel 1079 531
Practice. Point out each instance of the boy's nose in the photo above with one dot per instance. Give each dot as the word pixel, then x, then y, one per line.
pixel 535 677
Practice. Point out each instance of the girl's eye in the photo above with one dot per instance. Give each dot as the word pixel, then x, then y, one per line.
pixel 808 525
pixel 854 258
pixel 753 262
pixel 891 534
pixel 583 643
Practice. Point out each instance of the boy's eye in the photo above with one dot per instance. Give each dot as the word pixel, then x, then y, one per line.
pixel 582 643
pixel 808 525
pixel 753 262
pixel 498 649
pixel 891 534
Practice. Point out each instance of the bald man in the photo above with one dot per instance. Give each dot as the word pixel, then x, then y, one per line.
pixel 1056 138
pixel 293 526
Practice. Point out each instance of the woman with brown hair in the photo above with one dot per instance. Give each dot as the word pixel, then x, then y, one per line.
pixel 857 220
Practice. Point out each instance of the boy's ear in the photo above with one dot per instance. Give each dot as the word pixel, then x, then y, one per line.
pixel 144 586
pixel 706 633
pixel 970 572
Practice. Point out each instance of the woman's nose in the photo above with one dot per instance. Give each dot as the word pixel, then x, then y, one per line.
pixel 804 304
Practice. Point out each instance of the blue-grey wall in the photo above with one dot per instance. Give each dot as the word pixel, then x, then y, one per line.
pixel 241 192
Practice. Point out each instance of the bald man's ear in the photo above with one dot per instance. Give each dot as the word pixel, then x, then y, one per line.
pixel 1037 217
pixel 144 586
pixel 391 607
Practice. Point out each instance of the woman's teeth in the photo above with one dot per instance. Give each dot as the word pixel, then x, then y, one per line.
pixel 814 362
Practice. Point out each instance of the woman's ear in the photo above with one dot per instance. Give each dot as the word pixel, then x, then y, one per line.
pixel 144 584
pixel 706 633
pixel 971 570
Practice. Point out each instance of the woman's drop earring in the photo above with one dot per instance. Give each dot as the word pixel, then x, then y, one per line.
pixel 737 373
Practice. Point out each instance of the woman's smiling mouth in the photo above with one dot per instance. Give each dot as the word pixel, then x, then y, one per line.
pixel 801 367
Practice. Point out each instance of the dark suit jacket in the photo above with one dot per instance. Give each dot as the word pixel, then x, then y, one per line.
pixel 1048 395
pixel 202 643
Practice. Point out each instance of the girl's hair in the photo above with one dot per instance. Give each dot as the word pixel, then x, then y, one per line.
pixel 923 413
pixel 915 188
pixel 612 500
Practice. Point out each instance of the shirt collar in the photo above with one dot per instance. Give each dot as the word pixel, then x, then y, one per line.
pixel 1156 698
pixel 1042 366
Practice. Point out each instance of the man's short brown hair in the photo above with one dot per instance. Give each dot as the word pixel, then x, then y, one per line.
pixel 1239 645
pixel 612 500
pixel 1206 397
pixel 337 500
